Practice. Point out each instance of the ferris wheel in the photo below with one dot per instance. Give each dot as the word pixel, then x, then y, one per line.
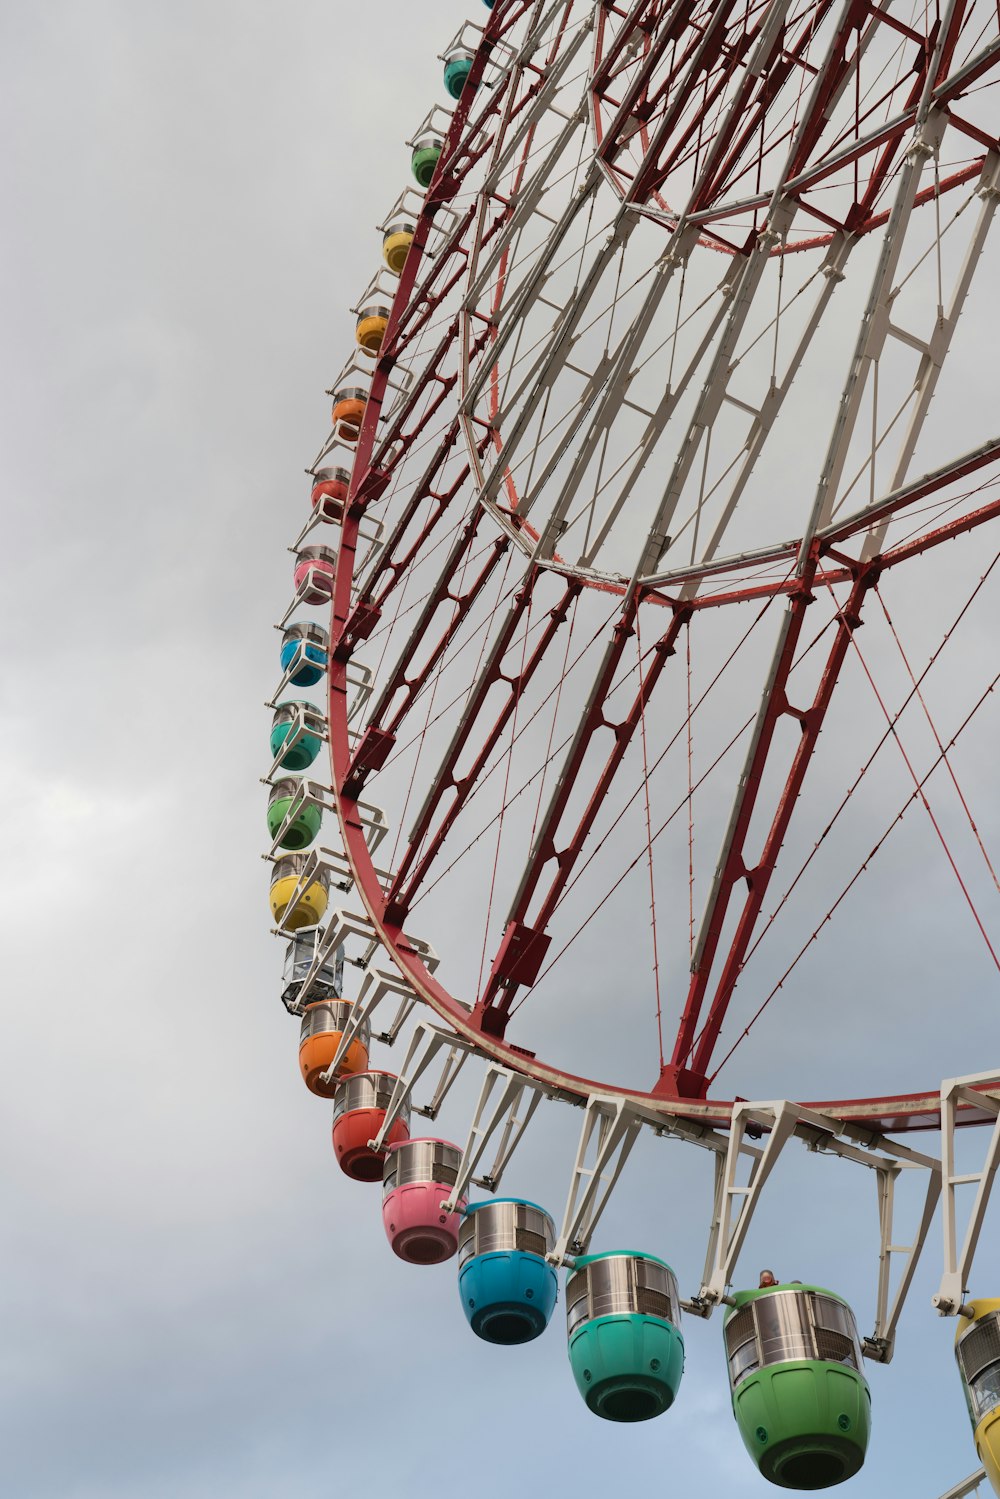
pixel 636 436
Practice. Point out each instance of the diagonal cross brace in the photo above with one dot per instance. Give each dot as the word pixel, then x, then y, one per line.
pixel 426 1043
pixel 375 986
pixel 504 1116
pixel 958 1092
pixel 610 1129
pixel 735 1204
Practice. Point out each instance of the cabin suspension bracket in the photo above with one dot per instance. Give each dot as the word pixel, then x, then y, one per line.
pixel 736 1200
pixel 958 1093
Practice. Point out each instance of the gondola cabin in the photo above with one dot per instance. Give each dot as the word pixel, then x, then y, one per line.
pixel 348 410
pixel 314 574
pixel 300 727
pixel 507 1287
pixel 426 154
pixel 287 877
pixel 396 242
pixel 321 1034
pixel 329 493
pixel 417 1176
pixel 302 825
pixel 359 1108
pixel 623 1318
pixel 373 320
pixel 305 653
pixel 457 67
pixel 799 1397
pixel 300 956
pixel 977 1352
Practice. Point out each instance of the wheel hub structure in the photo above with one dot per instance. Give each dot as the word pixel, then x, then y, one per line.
pixel 648 437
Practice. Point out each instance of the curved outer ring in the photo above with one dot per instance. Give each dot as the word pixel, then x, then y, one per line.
pixel 890 1113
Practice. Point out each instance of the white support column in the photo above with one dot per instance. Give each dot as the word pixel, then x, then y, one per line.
pixel 425 1044
pixel 503 1116
pixel 956 1092
pixel 928 128
pixel 697 1304
pixel 616 1128
pixel 453 1064
pixel 935 348
pixel 880 1344
pixel 375 985
pixel 735 1203
pixel 738 1203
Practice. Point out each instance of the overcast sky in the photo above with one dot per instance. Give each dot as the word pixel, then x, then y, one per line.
pixel 195 1303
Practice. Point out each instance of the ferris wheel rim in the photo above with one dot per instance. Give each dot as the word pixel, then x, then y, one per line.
pixel 891 1111
pixel 927 96
pixel 888 1113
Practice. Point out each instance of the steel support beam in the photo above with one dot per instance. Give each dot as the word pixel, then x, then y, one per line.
pixel 957 1269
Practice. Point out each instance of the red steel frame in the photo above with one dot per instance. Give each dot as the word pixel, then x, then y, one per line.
pixel 680 1090
pixel 703 60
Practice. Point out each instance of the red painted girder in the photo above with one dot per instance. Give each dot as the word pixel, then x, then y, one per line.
pixel 406 884
pixel 941 534
pixel 430 374
pixel 423 308
pixel 759 878
pixel 678 1076
pixel 392 559
pixel 770 84
pixel 703 56
pixel 891 150
pixel 889 1113
pixel 498 994
pixel 608 137
pixel 736 113
pixel 892 1112
pixel 605 70
pixel 815 121
pixel 981 138
pixel 441 594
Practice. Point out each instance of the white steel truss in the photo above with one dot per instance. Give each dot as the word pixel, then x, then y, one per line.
pixel 737 1201
pixel 611 1126
pixel 957 1264
pixel 376 985
pixel 508 1114
pixel 426 1044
